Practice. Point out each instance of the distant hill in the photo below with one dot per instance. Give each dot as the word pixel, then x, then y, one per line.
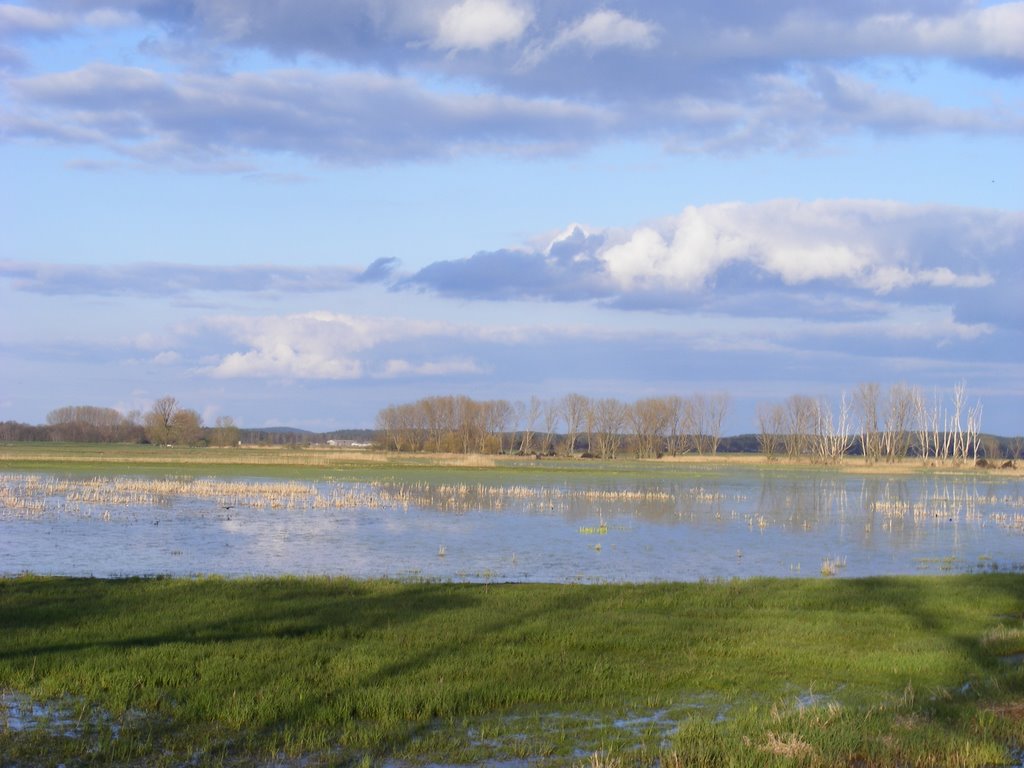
pixel 293 436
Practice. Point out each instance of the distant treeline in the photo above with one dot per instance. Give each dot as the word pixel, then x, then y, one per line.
pixel 166 423
pixel 568 425
pixel 79 424
pixel 876 423
pixel 298 437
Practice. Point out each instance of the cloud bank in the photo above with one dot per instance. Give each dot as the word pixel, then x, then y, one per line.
pixel 173 280
pixel 400 80
pixel 712 254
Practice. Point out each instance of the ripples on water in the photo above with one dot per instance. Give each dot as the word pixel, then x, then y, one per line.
pixel 737 524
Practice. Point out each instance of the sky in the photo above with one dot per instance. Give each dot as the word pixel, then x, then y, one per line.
pixel 298 213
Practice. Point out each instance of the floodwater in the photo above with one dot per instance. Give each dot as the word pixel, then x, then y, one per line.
pixel 675 527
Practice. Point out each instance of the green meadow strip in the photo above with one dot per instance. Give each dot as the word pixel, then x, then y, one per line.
pixel 921 671
pixel 308 463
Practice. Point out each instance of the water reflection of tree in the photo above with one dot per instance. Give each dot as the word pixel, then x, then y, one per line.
pixel 877 511
pixel 803 504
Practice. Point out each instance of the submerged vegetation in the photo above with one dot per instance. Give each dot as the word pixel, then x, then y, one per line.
pixel 873 672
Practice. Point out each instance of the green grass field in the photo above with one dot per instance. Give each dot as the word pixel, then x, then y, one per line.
pixel 875 672
pixel 315 463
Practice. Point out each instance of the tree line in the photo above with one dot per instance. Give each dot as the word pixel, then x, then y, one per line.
pixel 569 425
pixel 167 422
pixel 877 423
pixel 882 425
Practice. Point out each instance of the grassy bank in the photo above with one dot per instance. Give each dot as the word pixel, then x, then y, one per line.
pixel 319 462
pixel 886 671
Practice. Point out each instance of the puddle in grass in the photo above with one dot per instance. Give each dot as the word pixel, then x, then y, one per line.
pixel 20 713
pixel 67 717
pixel 813 700
pixel 482 764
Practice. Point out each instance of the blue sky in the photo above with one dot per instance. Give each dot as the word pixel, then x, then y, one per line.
pixel 298 213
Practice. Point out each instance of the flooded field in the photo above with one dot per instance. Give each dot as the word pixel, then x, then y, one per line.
pixel 736 523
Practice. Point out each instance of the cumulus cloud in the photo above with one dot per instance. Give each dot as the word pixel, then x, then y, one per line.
pixel 868 244
pixel 481 24
pixel 871 246
pixel 327 345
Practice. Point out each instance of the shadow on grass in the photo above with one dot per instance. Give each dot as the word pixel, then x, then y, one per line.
pixel 127 613
pixel 381 663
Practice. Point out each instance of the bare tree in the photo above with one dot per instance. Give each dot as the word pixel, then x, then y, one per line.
pixel 973 429
pixel 187 427
pixel 225 432
pixel 527 415
pixel 552 414
pixel 959 450
pixel 497 416
pixel 609 421
pixel 866 402
pixel 676 442
pixel 833 436
pixel 708 414
pixel 1016 448
pixel 573 410
pixel 387 427
pixel 922 424
pixel 771 421
pixel 898 416
pixel 801 415
pixel 990 447
pixel 159 420
pixel 650 419
pixel 90 423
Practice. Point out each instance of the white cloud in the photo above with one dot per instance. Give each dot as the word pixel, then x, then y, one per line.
pixel 600 30
pixel 18 19
pixel 609 29
pixel 167 357
pixel 885 279
pixel 285 361
pixel 818 33
pixel 865 243
pixel 315 345
pixel 208 119
pixel 481 24
pixel 396 368
pixel 326 345
pixel 991 31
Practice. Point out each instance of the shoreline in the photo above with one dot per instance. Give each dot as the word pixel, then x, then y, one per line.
pixel 316 457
